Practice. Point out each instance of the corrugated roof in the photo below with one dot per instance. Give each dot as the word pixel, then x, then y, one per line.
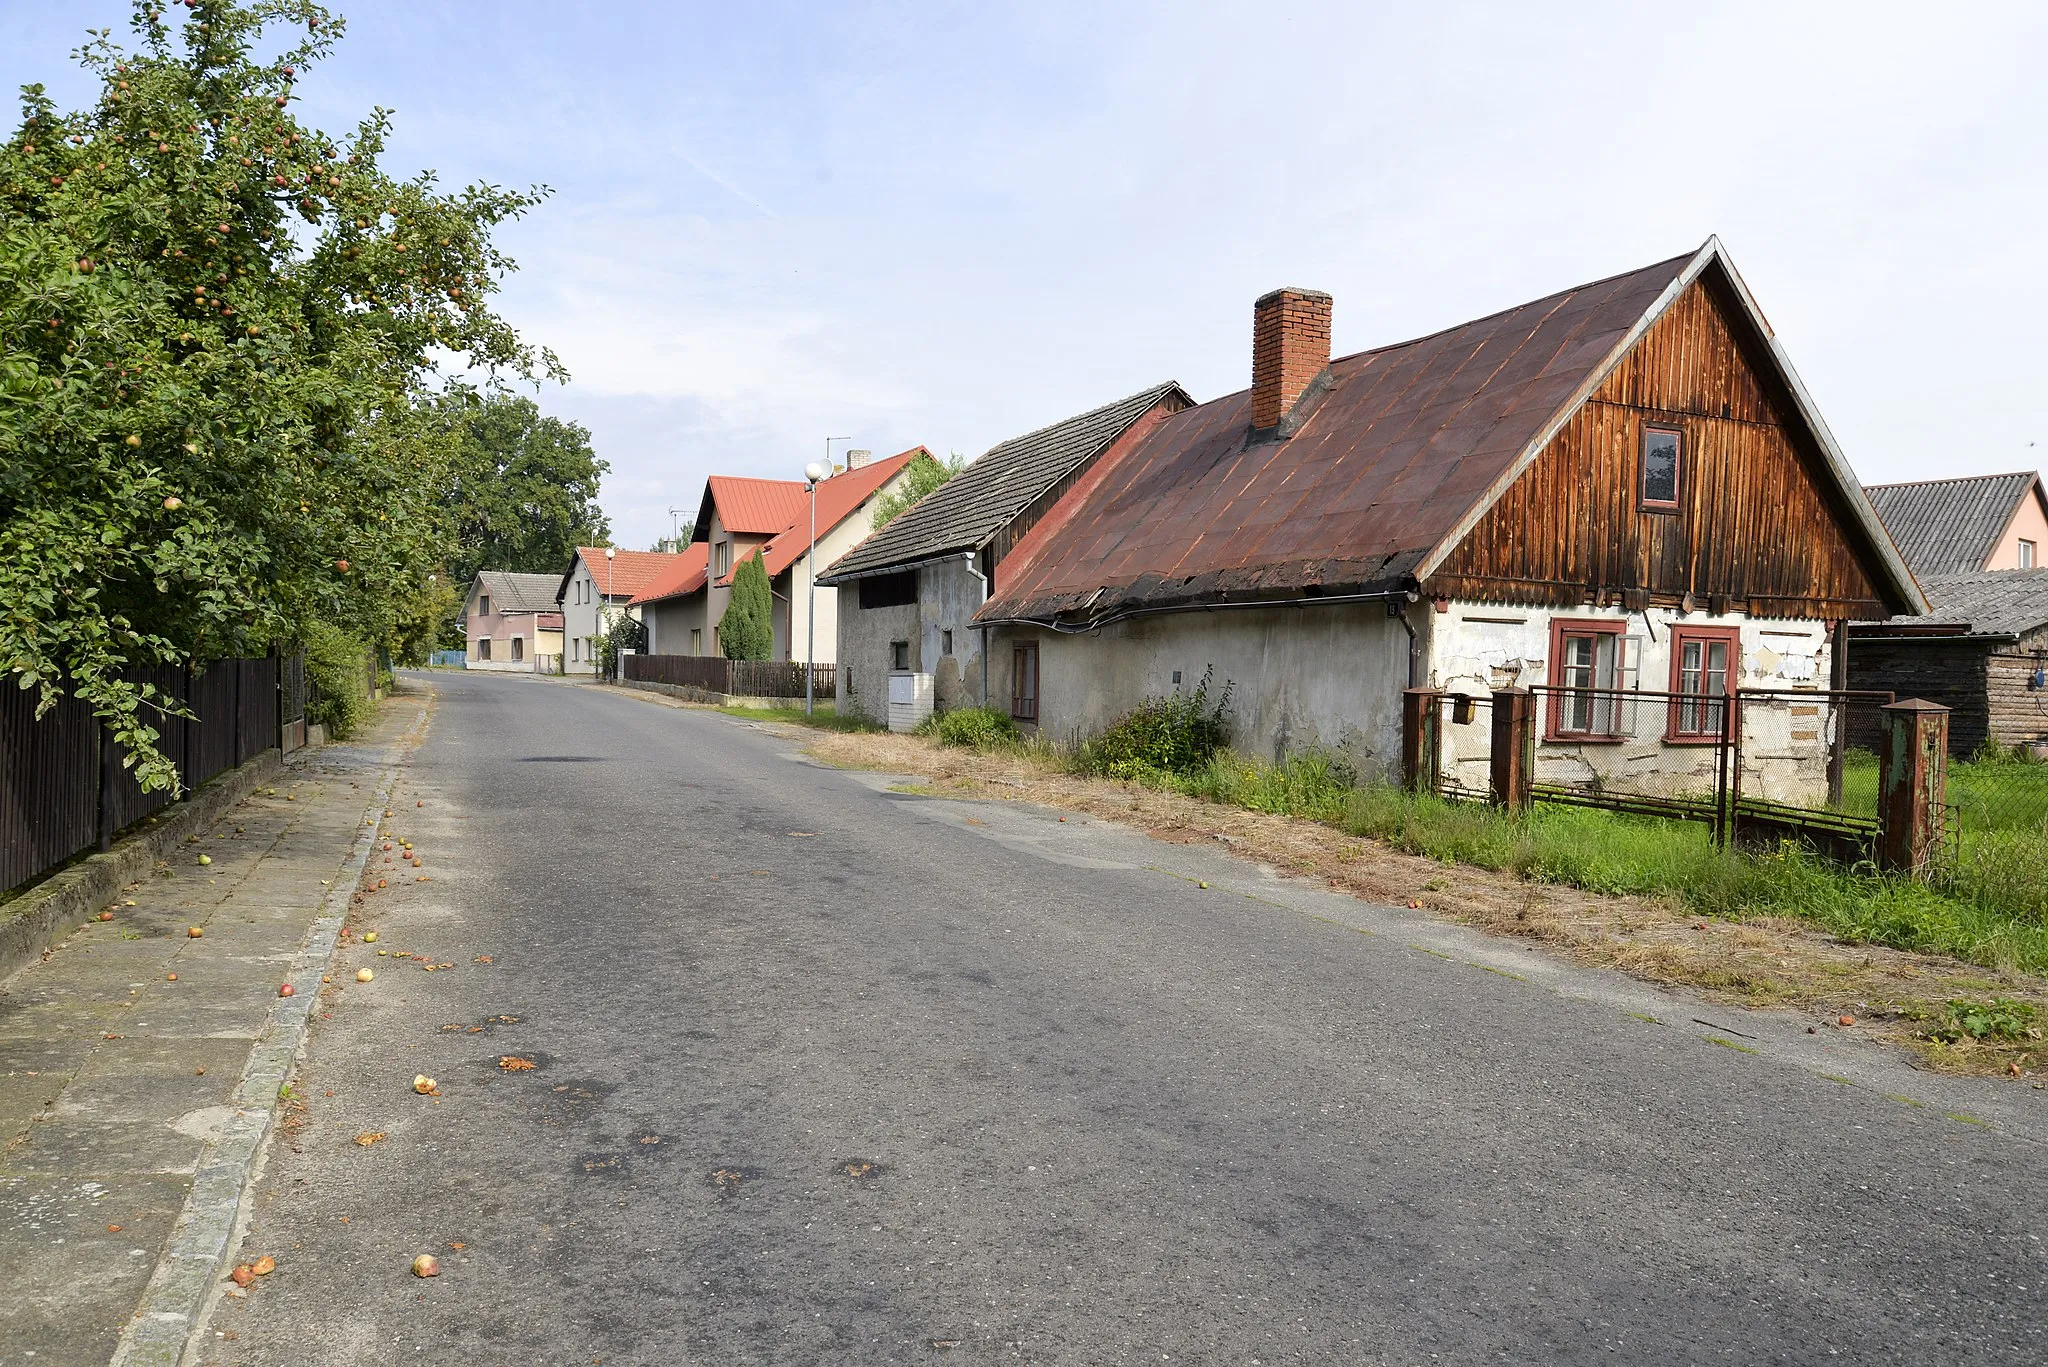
pixel 1986 603
pixel 1390 466
pixel 965 512
pixel 622 577
pixel 838 498
pixel 1951 526
pixel 512 591
pixel 687 575
pixel 750 507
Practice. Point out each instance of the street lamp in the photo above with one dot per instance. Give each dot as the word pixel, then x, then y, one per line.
pixel 812 474
pixel 611 577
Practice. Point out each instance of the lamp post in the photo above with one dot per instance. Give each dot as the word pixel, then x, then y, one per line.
pixel 611 577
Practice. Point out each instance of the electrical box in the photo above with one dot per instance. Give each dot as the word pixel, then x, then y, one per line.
pixel 910 700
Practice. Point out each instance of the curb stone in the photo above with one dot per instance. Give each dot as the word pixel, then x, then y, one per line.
pixel 177 1304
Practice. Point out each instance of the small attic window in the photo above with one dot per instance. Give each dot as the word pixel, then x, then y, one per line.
pixel 1662 448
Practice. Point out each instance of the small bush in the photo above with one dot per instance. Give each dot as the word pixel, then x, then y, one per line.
pixel 2001 1019
pixel 977 728
pixel 1178 734
pixel 337 666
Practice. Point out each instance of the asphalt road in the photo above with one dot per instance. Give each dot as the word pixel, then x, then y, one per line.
pixel 827 1073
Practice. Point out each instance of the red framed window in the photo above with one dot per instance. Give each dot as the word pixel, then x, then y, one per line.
pixel 1663 465
pixel 1706 662
pixel 1587 661
pixel 1024 681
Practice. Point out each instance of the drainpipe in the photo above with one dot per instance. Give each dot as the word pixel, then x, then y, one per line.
pixel 1414 646
pixel 975 570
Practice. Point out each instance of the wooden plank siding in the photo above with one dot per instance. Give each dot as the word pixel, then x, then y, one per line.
pixel 1755 522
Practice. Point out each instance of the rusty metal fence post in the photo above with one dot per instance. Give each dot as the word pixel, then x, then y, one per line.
pixel 1514 747
pixel 1422 740
pixel 1912 786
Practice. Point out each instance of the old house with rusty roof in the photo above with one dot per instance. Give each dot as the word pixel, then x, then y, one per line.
pixel 1963 526
pixel 1623 485
pixel 739 518
pixel 908 593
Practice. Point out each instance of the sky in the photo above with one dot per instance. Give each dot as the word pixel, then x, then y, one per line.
pixel 772 224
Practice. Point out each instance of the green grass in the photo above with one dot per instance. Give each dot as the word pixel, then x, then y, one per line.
pixel 825 717
pixel 1992 909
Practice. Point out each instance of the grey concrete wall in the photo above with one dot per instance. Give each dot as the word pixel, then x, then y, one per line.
pixel 864 637
pixel 1324 678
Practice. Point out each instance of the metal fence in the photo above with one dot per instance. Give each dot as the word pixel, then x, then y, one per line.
pixel 1758 765
pixel 64 788
pixel 741 678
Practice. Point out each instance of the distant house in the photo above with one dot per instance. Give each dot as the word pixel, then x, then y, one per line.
pixel 907 594
pixel 741 517
pixel 595 591
pixel 1620 486
pixel 1961 526
pixel 510 623
pixel 1981 651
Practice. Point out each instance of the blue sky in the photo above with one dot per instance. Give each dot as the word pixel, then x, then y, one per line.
pixel 949 223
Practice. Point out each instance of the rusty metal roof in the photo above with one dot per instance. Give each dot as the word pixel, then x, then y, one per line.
pixel 1395 454
pixel 1401 445
pixel 1951 526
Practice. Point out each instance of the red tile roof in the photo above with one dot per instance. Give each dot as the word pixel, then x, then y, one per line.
pixel 625 576
pixel 751 507
pixel 686 575
pixel 838 498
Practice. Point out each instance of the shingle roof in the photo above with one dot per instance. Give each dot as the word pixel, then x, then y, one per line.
pixel 968 510
pixel 514 592
pixel 1987 603
pixel 623 577
pixel 687 575
pixel 750 507
pixel 838 498
pixel 1390 468
pixel 1950 526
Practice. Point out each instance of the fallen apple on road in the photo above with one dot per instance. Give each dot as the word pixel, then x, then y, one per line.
pixel 370 938
pixel 426 1265
pixel 364 975
pixel 194 931
pixel 106 916
pixel 206 859
pixel 286 990
pixel 264 1266
pixel 426 1086
pixel 242 1275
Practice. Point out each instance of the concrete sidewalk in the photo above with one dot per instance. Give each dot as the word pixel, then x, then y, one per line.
pixel 140 1065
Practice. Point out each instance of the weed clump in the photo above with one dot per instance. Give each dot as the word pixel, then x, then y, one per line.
pixel 976 728
pixel 1179 734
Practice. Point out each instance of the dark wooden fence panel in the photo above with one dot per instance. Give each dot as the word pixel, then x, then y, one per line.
pixel 46 812
pixel 64 788
pixel 743 678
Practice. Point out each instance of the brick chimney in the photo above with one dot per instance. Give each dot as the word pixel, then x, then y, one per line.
pixel 1290 347
pixel 856 459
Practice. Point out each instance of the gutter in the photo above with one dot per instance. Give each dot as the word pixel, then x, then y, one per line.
pixel 1407 595
pixel 975 570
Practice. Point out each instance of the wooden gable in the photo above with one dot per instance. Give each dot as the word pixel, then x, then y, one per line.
pixel 1757 523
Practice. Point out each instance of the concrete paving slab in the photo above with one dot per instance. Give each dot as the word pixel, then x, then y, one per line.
pixel 124 1091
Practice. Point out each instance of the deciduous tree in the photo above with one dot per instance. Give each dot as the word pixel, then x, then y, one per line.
pixel 218 327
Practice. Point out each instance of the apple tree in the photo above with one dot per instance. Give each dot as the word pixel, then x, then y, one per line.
pixel 224 338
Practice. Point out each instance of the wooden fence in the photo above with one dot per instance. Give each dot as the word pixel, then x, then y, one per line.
pixel 740 678
pixel 63 788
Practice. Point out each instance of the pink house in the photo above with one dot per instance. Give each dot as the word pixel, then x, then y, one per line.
pixel 513 623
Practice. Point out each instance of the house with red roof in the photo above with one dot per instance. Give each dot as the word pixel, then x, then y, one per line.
pixel 1623 486
pixel 596 591
pixel 740 518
